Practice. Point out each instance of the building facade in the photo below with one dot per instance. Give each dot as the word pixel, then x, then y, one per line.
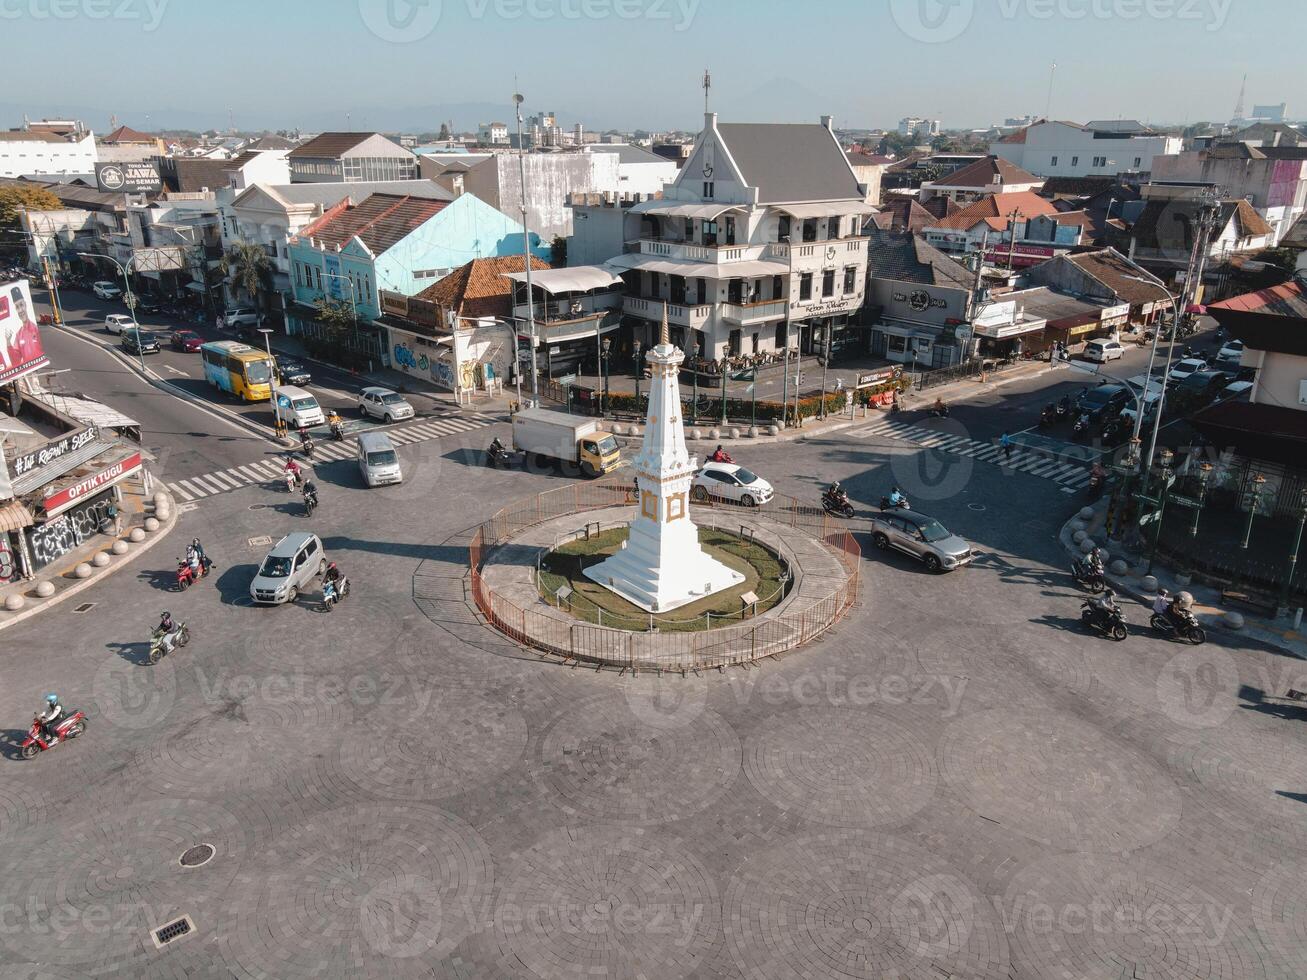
pixel 1051 148
pixel 26 153
pixel 351 158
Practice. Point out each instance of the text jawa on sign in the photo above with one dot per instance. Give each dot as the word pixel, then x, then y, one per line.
pixel 84 488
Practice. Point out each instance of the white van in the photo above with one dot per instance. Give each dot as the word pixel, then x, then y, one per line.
pixel 378 461
pixel 1102 351
pixel 298 408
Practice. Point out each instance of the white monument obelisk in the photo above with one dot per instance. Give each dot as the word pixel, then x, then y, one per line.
pixel 663 566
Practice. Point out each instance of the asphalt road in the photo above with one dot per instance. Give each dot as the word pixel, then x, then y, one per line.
pixel 957 781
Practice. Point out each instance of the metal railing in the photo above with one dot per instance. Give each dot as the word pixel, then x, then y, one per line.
pixel 653 650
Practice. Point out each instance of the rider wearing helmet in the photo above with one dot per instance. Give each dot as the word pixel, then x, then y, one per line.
pixel 896 498
pixel 166 624
pixel 311 491
pixel 334 574
pixel 1162 604
pixel 51 714
pixel 1106 601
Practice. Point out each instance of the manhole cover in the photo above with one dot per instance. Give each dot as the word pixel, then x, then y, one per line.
pixel 976 507
pixel 264 540
pixel 84 607
pixel 197 855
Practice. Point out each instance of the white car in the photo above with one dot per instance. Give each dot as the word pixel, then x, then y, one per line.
pixel 1182 370
pixel 106 290
pixel 1231 353
pixel 241 316
pixel 731 482
pixel 116 323
pixel 384 404
pixel 1102 351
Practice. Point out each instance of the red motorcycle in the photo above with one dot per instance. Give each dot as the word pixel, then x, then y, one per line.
pixel 187 575
pixel 69 727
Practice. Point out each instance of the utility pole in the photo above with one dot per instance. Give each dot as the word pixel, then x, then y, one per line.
pixel 1012 238
pixel 1048 104
pixel 526 253
pixel 785 355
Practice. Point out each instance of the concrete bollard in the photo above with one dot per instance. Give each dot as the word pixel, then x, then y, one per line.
pixel 1086 513
pixel 1079 536
pixel 1087 545
pixel 45 588
pixel 773 430
pixel 1183 578
pixel 1118 567
pixel 151 524
pixel 1232 620
pixel 100 559
pixel 1077 525
pixel 137 535
pixel 14 602
pixel 733 432
pixel 753 432
pixel 83 570
pixel 1148 583
pixel 714 433
pixel 120 547
pixel 1105 555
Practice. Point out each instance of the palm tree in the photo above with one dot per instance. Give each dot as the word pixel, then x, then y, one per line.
pixel 247 269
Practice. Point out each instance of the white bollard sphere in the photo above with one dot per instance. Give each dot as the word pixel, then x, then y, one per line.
pixel 151 524
pixel 45 589
pixel 101 559
pixel 1079 536
pixel 137 535
pixel 1118 567
pixel 1087 545
pixel 1233 620
pixel 83 570
pixel 14 602
pixel 1148 583
pixel 120 547
pixel 1086 513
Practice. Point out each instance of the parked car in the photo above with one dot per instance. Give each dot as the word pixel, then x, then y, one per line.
pixel 293 563
pixel 1238 391
pixel 1205 382
pixel 136 341
pixel 185 340
pixel 1231 353
pixel 384 404
pixel 922 537
pixel 116 323
pixel 241 316
pixel 1102 351
pixel 1182 369
pixel 731 482
pixel 292 372
pixel 106 290
pixel 1104 402
pixel 148 304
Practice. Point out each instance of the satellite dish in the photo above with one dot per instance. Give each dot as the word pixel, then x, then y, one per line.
pixel 517 98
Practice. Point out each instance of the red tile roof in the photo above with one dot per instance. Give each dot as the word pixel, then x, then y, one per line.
pixel 479 287
pixel 125 134
pixel 997 208
pixel 379 221
pixel 1286 299
pixel 990 170
pixel 330 145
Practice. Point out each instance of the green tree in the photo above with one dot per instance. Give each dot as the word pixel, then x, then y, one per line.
pixel 1283 258
pixel 13 199
pixel 338 320
pixel 247 268
pixel 558 252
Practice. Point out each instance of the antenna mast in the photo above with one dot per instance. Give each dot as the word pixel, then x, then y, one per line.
pixel 707 84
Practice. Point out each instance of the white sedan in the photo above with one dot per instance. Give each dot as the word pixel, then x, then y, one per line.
pixel 384 404
pixel 731 482
pixel 106 290
pixel 116 323
pixel 1231 353
pixel 1182 369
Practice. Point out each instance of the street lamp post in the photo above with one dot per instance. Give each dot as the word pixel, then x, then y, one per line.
pixel 518 99
pixel 1293 555
pixel 606 353
pixel 825 363
pixel 638 371
pixel 1259 482
pixel 278 425
pixel 1163 491
pixel 1204 474
pixel 785 354
pixel 128 297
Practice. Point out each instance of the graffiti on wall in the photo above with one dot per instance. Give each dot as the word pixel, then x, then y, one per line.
pixel 405 358
pixel 54 539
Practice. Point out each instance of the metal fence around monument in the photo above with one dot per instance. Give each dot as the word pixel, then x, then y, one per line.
pixel 653 650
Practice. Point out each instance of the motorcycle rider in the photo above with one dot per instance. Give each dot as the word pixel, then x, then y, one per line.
pixel 337 424
pixel 836 492
pixel 193 560
pixel 1105 603
pixel 896 498
pixel 1094 563
pixel 48 717
pixel 293 473
pixel 720 455
pixel 333 576
pixel 939 408
pixel 497 448
pixel 306 443
pixel 166 624
pixel 310 492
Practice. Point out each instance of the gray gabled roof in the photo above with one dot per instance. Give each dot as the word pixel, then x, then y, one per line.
pixel 627 152
pixel 331 193
pixel 906 257
pixel 790 161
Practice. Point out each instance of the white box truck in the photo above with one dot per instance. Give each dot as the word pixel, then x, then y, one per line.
pixel 563 438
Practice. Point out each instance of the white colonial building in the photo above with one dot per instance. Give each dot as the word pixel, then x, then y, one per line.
pixel 1104 147
pixel 34 153
pixel 758 239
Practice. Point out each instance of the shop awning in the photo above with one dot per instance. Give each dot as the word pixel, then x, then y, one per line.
pixel 14 516
pixel 578 279
pixel 197 287
pixel 829 209
pixel 66 463
pixel 670 209
pixel 85 410
pixel 692 270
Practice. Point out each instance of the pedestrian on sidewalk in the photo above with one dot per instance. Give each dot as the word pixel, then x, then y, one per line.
pixel 1005 442
pixel 220 322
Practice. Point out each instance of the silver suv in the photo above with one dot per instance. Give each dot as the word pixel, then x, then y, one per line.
pixel 294 562
pixel 922 537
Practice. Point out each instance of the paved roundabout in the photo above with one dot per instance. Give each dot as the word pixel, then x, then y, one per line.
pixel 952 782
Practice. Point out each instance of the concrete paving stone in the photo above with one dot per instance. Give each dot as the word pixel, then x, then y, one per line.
pixel 860 904
pixel 1279 904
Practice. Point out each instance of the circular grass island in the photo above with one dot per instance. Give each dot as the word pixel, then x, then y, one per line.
pixel 560 581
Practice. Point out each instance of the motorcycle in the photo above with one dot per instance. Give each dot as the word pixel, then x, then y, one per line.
pixel 160 648
pixel 1112 432
pixel 1048 416
pixel 338 430
pixel 293 480
pixel 188 575
pixel 1109 621
pixel 499 455
pixel 1186 629
pixel 307 448
pixel 939 411
pixel 837 503
pixel 310 503
pixel 331 594
pixel 887 504
pixel 72 725
pixel 1080 430
pixel 1087 576
pixel 1064 406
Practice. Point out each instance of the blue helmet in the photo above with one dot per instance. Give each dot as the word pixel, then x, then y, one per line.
pixel 52 698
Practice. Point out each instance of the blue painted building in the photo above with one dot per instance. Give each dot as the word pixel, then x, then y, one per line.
pixel 393 242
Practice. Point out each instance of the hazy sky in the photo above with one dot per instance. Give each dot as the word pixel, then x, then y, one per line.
pixel 638 62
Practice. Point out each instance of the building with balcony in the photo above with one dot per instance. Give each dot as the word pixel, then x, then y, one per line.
pixel 575 310
pixel 758 239
pixel 1014 229
pixel 350 158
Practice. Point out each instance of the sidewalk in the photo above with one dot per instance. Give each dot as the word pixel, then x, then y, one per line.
pixel 1127 574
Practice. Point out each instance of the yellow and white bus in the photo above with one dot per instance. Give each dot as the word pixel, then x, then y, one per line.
pixel 238 369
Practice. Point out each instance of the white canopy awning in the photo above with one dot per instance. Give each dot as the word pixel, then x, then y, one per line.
pixel 704 270
pixel 577 279
pixel 671 209
pixel 828 209
pixel 85 410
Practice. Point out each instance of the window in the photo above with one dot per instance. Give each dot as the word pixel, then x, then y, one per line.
pixel 1075 161
pixel 775 287
pixel 783 227
pixel 850 279
pixel 708 189
pixel 780 336
pixel 805 286
pixel 1139 162
pixel 1100 161
pixel 833 227
pixel 810 229
pixel 1053 162
pixel 689 229
pixel 828 283
pixel 897 345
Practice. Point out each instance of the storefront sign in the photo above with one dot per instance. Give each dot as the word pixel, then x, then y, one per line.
pixel 920 300
pixel 396 304
pixel 137 177
pixel 1022 255
pixel 871 378
pixel 54 539
pixel 825 309
pixel 52 451
pixel 63 499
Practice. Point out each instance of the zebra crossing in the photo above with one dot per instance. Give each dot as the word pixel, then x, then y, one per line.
pixel 1070 476
pixel 273 467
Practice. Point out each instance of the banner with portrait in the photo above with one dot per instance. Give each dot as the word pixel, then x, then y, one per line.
pixel 20 341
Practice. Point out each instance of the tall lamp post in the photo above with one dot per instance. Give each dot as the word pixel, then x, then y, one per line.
pixel 277 424
pixel 1163 491
pixel 518 99
pixel 606 350
pixel 128 297
pixel 1293 555
pixel 1204 474
pixel 785 354
pixel 1259 483
pixel 639 370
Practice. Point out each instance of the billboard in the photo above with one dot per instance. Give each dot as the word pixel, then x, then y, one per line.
pixel 20 342
pixel 135 177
